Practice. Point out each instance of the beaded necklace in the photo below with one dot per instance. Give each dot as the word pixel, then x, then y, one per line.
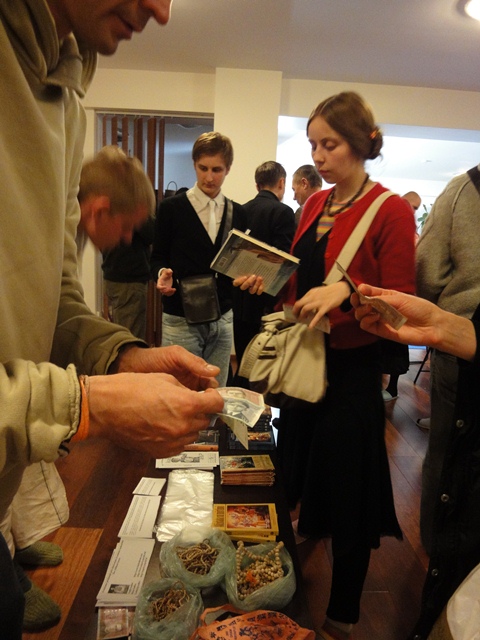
pixel 329 202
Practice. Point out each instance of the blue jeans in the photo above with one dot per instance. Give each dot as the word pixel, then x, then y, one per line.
pixel 212 341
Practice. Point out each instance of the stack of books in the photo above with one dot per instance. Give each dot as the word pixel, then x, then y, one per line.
pixel 247 469
pixel 248 522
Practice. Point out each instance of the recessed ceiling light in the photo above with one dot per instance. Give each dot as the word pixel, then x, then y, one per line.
pixel 471 8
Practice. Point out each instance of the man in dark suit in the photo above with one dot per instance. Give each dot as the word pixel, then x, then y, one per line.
pixel 272 222
pixel 305 181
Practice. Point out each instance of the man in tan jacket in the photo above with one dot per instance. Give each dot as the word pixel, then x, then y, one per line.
pixel 144 399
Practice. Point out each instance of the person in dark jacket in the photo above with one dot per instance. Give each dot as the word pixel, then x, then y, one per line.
pixel 455 542
pixel 126 272
pixel 305 182
pixel 272 222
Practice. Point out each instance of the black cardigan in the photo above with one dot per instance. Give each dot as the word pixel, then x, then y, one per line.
pixel 456 535
pixel 182 244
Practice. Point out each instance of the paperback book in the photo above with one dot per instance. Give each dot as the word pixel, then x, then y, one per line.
pixel 243 255
pixel 250 519
pixel 247 470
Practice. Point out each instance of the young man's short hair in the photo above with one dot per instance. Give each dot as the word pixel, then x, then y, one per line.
pixel 121 178
pixel 211 144
pixel 268 174
pixel 310 173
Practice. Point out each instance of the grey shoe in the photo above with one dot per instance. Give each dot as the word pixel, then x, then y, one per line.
pixel 41 612
pixel 423 423
pixel 47 554
pixel 387 396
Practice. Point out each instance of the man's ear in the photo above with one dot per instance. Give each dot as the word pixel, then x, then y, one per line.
pixel 100 206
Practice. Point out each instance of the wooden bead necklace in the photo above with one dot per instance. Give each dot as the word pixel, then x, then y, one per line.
pixel 329 203
pixel 198 558
pixel 260 571
pixel 164 603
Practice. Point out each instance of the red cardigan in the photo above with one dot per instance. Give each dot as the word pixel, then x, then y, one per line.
pixel 386 257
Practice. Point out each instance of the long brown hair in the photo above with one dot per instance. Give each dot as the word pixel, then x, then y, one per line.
pixel 350 116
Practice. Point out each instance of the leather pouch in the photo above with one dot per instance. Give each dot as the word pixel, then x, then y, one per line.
pixel 200 299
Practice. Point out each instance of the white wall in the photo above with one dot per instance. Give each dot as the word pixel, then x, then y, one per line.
pixel 246 104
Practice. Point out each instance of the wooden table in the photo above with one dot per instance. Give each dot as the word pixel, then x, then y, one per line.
pixel 296 609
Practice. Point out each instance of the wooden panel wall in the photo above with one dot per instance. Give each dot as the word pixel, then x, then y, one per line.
pixel 143 137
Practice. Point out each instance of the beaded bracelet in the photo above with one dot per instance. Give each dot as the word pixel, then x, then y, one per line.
pixel 84 424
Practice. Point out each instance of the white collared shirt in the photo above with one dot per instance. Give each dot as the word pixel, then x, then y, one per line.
pixel 200 202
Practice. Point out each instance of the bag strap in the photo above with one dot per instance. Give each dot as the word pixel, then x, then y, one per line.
pixel 351 246
pixel 474 175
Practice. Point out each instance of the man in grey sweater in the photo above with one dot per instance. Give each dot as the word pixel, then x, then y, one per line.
pixel 447 274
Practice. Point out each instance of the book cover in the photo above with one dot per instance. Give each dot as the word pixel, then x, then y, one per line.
pixel 207 441
pixel 256 538
pixel 243 255
pixel 246 464
pixel 245 518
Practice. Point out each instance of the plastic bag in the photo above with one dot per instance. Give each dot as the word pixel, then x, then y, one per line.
pixel 275 595
pixel 189 499
pixel 172 565
pixel 226 621
pixel 179 625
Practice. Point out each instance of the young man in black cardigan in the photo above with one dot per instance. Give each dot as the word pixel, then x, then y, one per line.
pixel 189 231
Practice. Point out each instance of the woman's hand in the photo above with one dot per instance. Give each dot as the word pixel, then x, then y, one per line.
pixel 319 301
pixel 426 325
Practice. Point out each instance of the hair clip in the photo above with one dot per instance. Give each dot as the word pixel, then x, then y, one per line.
pixel 373 134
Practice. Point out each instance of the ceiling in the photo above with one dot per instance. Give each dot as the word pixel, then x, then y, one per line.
pixel 419 43
pixel 423 43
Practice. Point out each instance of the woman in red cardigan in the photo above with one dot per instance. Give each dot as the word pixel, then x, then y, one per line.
pixel 333 453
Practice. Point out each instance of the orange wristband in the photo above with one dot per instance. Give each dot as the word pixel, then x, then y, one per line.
pixel 84 424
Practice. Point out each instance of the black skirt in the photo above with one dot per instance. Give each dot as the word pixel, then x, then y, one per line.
pixel 333 456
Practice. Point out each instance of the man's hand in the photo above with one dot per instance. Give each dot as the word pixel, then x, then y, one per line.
pixel 253 284
pixel 149 412
pixel 191 370
pixel 165 283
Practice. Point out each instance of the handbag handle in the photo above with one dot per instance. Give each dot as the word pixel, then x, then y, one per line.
pixel 351 246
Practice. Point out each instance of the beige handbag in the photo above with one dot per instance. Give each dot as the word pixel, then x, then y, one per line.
pixel 286 361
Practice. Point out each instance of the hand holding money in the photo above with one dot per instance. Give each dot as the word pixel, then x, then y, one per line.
pixel 242 408
pixel 389 314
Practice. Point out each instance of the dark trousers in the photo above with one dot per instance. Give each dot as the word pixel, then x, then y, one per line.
pixel 12 600
pixel 348 576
